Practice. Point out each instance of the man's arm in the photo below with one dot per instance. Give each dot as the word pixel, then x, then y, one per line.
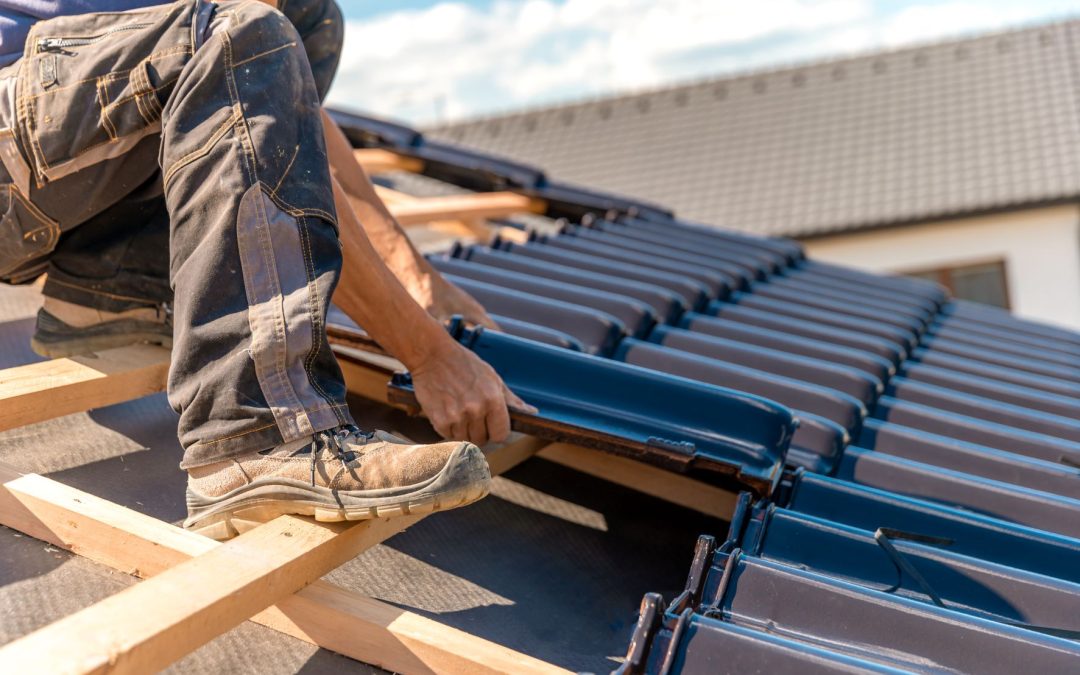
pixel 423 282
pixel 461 395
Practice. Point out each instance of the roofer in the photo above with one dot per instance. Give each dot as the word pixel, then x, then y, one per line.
pixel 177 151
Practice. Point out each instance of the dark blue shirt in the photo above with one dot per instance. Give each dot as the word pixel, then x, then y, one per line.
pixel 17 16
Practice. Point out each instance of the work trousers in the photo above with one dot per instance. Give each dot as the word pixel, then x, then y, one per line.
pixel 175 155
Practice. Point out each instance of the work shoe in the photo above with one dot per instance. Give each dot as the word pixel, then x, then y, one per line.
pixel 339 475
pixel 67 329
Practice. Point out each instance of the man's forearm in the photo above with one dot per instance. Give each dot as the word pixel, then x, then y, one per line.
pixel 383 231
pixel 371 295
pixel 423 282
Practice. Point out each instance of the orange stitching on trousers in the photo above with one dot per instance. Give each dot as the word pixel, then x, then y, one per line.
pixel 95 146
pixel 103 101
pixel 203 150
pixel 294 211
pixel 115 296
pixel 262 54
pixel 150 90
pixel 296 152
pixel 336 406
pixel 319 331
pixel 115 75
pixel 242 433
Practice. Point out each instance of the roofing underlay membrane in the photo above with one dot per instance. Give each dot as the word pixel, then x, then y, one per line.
pixel 911 463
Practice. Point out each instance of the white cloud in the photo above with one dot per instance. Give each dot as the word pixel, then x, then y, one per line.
pixel 453 60
pixel 923 22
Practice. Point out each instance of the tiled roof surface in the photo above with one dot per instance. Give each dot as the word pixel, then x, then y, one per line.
pixel 898 447
pixel 941 130
pixel 921 516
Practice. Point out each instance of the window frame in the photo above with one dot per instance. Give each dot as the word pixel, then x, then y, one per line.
pixel 944 276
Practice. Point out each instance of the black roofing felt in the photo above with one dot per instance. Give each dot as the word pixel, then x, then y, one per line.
pixel 935 465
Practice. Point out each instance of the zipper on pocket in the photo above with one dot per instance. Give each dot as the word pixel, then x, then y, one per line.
pixel 53 44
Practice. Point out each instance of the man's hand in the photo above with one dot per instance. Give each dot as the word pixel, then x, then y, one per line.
pixel 463 397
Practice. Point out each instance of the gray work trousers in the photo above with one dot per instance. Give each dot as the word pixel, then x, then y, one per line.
pixel 201 118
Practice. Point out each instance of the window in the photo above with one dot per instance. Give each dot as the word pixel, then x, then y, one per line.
pixel 985 282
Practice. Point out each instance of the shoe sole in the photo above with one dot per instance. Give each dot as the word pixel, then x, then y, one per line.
pixel 64 348
pixel 463 480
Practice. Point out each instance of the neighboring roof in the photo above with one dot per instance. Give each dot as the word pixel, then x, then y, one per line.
pixel 942 130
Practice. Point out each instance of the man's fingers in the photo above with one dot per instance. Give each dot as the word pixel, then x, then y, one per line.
pixel 478 431
pixel 498 423
pixel 514 402
pixel 455 425
pixel 442 428
pixel 459 430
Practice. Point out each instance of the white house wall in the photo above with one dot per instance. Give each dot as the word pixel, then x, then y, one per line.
pixel 1040 247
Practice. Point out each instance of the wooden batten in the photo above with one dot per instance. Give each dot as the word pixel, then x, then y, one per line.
pixel 367 374
pixel 148 626
pixel 465 207
pixel 376 160
pixel 391 197
pixel 651 480
pixel 41 391
pixel 201 588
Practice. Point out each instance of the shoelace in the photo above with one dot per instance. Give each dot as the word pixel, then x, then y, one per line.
pixel 334 440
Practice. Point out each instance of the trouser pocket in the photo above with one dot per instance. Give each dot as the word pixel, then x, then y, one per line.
pixel 27 235
pixel 92 86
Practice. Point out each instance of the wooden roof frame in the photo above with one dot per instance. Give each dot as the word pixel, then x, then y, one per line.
pixel 199 588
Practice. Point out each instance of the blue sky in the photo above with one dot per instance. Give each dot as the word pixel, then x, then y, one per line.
pixel 424 61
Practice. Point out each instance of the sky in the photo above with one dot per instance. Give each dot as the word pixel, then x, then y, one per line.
pixel 424 61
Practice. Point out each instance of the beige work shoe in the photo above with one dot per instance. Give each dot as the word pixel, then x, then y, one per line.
pixel 349 476
pixel 67 329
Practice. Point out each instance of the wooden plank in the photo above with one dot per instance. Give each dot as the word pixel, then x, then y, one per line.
pixel 395 639
pixel 433 241
pixel 464 207
pixel 392 197
pixel 41 391
pixel 513 452
pixel 367 374
pixel 474 229
pixel 376 160
pixel 322 614
pixel 436 235
pixel 514 234
pixel 672 487
pixel 148 626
